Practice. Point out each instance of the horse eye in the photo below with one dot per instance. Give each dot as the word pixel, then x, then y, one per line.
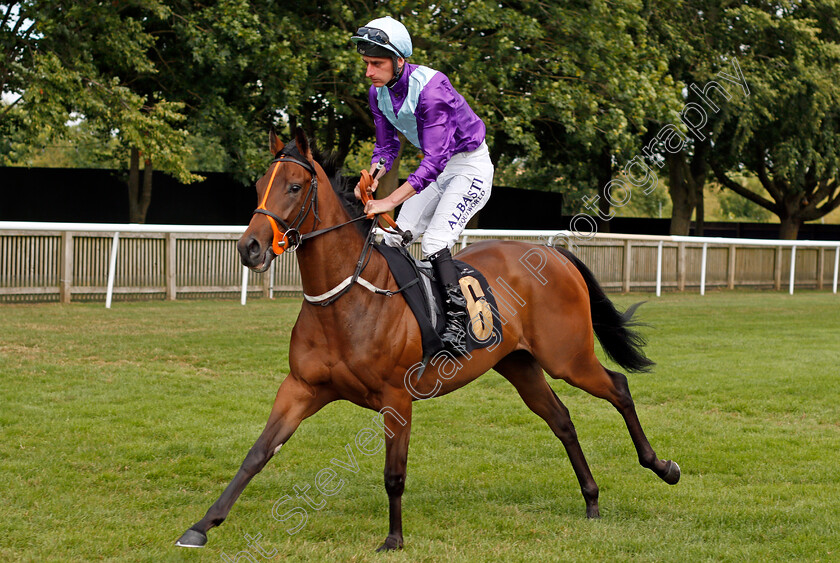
pixel 294 188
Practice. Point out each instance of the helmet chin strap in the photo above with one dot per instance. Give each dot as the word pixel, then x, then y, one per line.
pixel 400 70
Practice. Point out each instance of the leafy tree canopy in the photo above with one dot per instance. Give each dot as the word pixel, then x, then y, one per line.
pixel 787 132
pixel 570 92
pixel 67 60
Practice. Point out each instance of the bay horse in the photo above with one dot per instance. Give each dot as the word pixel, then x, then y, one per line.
pixel 363 346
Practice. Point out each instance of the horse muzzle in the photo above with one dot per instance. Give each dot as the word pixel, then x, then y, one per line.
pixel 253 254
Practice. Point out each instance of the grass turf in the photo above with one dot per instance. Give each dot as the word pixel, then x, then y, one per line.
pixel 120 427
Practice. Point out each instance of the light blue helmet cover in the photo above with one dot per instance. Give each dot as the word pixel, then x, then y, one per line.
pixel 398 36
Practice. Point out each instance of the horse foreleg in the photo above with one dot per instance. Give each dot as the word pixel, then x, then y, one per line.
pixel 294 402
pixel 397 432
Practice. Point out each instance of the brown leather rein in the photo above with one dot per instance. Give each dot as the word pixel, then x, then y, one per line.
pixel 289 237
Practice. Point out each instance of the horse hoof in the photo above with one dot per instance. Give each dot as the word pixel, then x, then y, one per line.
pixel 192 538
pixel 391 544
pixel 672 473
pixel 593 513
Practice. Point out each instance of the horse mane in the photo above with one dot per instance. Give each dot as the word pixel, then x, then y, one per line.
pixel 343 187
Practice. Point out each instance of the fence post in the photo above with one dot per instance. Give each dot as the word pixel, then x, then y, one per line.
pixel 112 270
pixel 65 282
pixel 703 269
pixel 266 282
pixel 792 267
pixel 625 286
pixel 836 265
pixel 820 267
pixel 170 267
pixel 681 266
pixel 271 279
pixel 731 273
pixel 244 296
pixel 659 269
pixel 777 282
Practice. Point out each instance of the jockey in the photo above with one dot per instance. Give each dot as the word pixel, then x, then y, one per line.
pixel 454 179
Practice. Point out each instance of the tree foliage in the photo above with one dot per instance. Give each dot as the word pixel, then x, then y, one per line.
pixel 685 33
pixel 78 59
pixel 557 86
pixel 565 88
pixel 787 133
pixel 784 130
pixel 571 92
pixel 68 60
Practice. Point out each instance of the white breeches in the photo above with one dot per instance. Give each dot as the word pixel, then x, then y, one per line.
pixel 441 211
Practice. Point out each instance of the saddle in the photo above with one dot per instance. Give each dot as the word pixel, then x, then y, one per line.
pixel 423 295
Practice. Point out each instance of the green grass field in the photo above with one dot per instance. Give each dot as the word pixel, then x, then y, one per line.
pixel 120 427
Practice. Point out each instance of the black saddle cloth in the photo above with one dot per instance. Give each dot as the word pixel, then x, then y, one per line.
pixel 426 301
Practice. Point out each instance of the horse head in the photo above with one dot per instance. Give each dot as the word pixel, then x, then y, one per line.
pixel 287 196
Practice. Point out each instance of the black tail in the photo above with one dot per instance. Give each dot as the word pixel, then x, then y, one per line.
pixel 622 345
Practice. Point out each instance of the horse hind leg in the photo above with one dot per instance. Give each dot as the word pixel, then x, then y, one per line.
pixel 526 375
pixel 667 470
pixel 612 386
pixel 294 402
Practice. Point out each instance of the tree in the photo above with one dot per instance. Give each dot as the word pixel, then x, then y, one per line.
pixel 573 94
pixel 786 133
pixel 738 208
pixel 781 125
pixel 71 60
pixel 691 35
pixel 565 89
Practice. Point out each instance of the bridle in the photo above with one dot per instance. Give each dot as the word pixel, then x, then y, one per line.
pixel 290 238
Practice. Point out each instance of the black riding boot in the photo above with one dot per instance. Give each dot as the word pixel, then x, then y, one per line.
pixel 455 306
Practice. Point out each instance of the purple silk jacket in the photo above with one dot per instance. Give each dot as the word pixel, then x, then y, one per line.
pixel 445 124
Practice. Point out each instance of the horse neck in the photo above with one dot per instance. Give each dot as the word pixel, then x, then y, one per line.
pixel 328 259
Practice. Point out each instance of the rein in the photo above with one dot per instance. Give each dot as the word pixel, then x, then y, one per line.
pixel 290 237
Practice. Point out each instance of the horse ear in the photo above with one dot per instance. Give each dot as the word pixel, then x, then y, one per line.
pixel 275 145
pixel 303 144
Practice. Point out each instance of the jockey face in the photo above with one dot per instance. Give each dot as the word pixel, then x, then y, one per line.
pixel 380 70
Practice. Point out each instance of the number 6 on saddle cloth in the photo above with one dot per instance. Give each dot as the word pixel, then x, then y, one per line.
pixel 425 301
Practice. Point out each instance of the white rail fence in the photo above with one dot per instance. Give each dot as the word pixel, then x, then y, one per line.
pixel 72 261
